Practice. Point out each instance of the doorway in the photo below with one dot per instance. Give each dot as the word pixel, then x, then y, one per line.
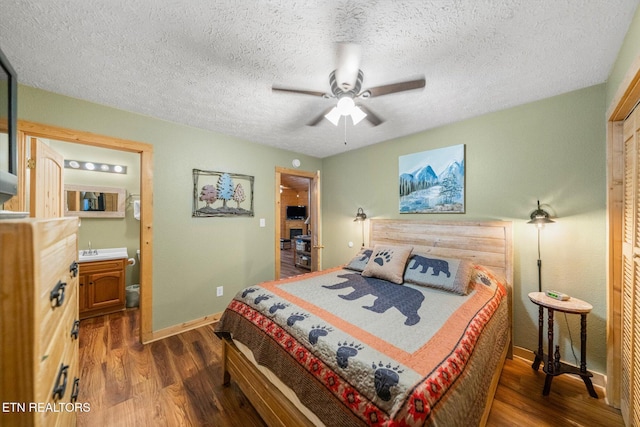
pixel 297 232
pixel 145 152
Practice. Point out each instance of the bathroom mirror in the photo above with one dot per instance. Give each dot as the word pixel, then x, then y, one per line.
pixel 91 201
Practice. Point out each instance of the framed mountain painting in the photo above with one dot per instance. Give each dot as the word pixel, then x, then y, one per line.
pixel 432 181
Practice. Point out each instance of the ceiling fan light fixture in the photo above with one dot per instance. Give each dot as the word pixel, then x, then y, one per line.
pixel 333 116
pixel 345 105
pixel 357 115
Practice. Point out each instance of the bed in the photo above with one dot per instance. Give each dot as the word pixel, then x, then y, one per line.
pixel 357 345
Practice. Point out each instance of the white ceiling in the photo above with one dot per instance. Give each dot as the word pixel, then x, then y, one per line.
pixel 210 64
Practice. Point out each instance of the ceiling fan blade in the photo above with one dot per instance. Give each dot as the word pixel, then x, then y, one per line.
pixel 348 56
pixel 371 117
pixel 300 91
pixel 320 117
pixel 394 87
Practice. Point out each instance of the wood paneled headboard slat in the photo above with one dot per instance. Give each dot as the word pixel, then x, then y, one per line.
pixel 484 242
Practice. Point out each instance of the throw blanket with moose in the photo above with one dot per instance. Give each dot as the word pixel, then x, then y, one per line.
pixel 387 352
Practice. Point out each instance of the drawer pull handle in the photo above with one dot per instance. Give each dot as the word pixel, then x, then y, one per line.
pixel 57 293
pixel 73 269
pixel 61 382
pixel 75 329
pixel 75 390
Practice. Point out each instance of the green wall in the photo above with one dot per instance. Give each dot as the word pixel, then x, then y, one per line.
pixel 192 256
pixel 552 150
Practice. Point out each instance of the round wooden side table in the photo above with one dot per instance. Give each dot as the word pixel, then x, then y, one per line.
pixel 552 364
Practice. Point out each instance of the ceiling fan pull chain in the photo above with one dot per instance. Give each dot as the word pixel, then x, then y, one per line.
pixel 345 130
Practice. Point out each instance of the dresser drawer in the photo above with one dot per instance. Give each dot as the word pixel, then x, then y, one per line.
pixel 58 332
pixel 56 259
pixel 59 283
pixel 51 315
pixel 58 348
pixel 54 376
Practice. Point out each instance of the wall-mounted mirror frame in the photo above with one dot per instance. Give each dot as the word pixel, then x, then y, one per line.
pixel 109 202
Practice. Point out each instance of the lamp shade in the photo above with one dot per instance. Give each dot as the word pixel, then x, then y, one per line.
pixel 345 107
pixel 539 217
pixel 333 116
pixel 360 216
pixel 357 115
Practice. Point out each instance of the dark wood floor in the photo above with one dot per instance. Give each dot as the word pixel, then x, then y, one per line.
pixel 287 267
pixel 177 382
pixel 172 382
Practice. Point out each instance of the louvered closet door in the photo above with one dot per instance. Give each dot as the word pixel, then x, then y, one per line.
pixel 630 393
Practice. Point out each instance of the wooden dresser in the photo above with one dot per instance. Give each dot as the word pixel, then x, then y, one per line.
pixel 39 322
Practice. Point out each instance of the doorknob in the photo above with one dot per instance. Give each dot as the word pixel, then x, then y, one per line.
pixel 318 246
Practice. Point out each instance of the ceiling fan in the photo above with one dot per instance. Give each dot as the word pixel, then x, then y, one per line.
pixel 346 86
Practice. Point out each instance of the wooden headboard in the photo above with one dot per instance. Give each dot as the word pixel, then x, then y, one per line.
pixel 487 243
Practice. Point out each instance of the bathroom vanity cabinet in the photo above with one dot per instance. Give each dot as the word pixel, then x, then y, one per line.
pixel 102 287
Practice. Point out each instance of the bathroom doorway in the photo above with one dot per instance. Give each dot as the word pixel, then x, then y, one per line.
pixel 145 151
pixel 103 196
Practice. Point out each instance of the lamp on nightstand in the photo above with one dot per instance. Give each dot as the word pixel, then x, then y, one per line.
pixel 361 216
pixel 539 217
pixel 91 201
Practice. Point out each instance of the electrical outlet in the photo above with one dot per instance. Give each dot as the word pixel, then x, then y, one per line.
pixel 219 291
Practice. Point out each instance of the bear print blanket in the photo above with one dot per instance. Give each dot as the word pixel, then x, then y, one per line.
pixel 388 353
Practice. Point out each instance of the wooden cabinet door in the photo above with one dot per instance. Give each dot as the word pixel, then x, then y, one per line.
pixel 46 192
pixel 105 289
pixel 102 287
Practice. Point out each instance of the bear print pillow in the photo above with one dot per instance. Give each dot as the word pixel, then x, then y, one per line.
pixel 449 274
pixel 387 262
pixel 359 262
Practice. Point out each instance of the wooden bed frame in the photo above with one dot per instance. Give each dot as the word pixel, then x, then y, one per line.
pixel 486 243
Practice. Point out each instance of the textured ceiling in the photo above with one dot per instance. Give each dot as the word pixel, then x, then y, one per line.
pixel 211 63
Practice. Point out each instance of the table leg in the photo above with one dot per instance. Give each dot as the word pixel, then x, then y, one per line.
pixel 550 367
pixel 540 354
pixel 583 343
pixel 547 384
pixel 583 356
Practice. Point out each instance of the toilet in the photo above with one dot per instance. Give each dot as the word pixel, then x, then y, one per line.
pixel 133 291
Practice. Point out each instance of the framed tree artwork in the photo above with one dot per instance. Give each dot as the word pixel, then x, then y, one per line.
pixel 222 194
pixel 432 181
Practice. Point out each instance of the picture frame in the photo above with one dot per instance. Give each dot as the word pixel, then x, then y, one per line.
pixel 432 181
pixel 222 194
